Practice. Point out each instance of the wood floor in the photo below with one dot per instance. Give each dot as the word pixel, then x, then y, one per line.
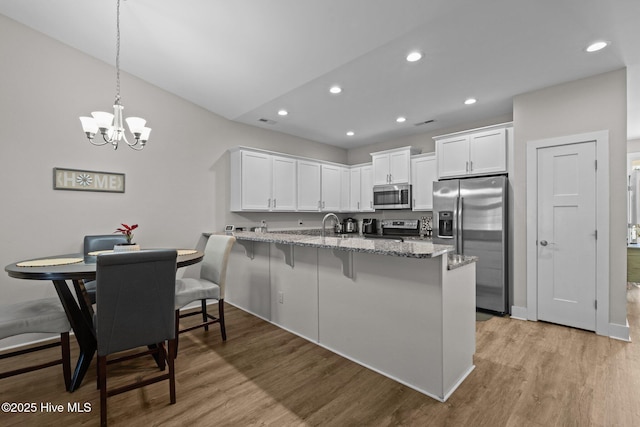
pixel 527 374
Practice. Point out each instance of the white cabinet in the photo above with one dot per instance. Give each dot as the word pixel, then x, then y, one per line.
pixel 477 152
pixel 423 174
pixel 309 184
pixel 345 188
pixel 392 166
pixel 262 182
pixel 360 189
pixel 354 189
pixel 284 184
pixel 331 184
pixel 366 189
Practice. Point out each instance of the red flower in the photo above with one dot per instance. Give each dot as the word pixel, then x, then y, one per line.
pixel 127 231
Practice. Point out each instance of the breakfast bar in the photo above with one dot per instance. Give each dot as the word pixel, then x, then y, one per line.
pixel 405 309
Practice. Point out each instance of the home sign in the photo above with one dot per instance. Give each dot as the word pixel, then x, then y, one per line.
pixel 83 180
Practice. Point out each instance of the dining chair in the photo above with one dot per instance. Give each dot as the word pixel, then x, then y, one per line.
pixel 210 286
pixel 37 316
pixel 135 305
pixel 93 243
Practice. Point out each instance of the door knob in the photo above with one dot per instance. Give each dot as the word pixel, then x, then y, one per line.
pixel 543 243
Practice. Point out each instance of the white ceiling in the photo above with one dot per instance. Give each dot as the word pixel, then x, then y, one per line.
pixel 246 59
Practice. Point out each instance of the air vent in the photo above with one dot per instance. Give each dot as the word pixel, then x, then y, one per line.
pixel 424 123
pixel 267 121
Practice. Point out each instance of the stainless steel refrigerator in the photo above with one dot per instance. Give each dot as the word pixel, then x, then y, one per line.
pixel 471 214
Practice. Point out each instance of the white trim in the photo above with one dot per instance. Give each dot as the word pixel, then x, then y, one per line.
pixel 601 139
pixel 519 313
pixel 620 332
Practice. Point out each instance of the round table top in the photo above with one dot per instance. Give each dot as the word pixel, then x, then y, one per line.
pixel 77 270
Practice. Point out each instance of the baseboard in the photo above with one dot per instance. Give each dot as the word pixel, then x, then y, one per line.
pixel 519 313
pixel 620 332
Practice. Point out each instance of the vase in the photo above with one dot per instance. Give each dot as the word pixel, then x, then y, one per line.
pixel 126 247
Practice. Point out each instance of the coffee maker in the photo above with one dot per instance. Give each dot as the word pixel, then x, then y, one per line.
pixel 369 226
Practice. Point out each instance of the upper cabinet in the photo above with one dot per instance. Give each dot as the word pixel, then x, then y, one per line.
pixel 274 190
pixel 309 185
pixel 476 152
pixel 268 182
pixel 423 175
pixel 360 189
pixel 392 166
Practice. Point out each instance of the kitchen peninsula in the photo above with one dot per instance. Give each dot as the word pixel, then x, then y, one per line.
pixel 405 309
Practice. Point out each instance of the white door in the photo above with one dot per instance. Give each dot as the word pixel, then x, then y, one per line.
pixel 256 181
pixel 488 152
pixel 453 156
pixel 566 237
pixel 423 171
pixel 354 190
pixel 308 186
pixel 284 184
pixel 380 169
pixel 331 188
pixel 399 166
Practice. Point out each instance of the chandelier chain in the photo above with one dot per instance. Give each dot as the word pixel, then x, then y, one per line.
pixel 118 53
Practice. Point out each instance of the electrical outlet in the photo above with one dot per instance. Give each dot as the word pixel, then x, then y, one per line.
pixel 281 297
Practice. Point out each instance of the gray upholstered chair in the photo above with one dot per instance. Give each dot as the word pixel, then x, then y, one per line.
pixel 43 315
pixel 100 242
pixel 210 285
pixel 135 306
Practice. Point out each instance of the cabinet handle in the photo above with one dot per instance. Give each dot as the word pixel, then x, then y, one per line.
pixel 274 203
pixel 466 168
pixel 323 205
pixel 269 203
pixel 471 166
pixel 358 204
pixel 319 205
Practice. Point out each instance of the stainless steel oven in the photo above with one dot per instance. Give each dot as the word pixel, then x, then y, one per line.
pixel 396 196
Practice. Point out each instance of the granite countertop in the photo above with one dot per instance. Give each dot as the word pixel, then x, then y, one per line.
pixel 410 248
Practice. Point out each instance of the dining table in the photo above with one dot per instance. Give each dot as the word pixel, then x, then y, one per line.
pixel 77 268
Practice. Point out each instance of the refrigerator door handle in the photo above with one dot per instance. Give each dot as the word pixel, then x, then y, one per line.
pixel 461 226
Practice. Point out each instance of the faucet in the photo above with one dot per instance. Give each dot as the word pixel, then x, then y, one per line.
pixel 324 220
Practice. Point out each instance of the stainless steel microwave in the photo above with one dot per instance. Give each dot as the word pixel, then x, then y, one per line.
pixel 396 196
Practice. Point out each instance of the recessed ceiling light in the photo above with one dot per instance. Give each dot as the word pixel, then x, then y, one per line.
pixel 335 89
pixel 401 119
pixel 414 56
pixel 283 112
pixel 470 101
pixel 596 46
pixel 350 133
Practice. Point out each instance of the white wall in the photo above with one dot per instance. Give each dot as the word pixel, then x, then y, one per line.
pixel 586 105
pixel 176 188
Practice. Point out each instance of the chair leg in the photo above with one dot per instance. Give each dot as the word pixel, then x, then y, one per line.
pixel 203 305
pixel 66 359
pixel 172 373
pixel 102 381
pixel 223 330
pixel 175 352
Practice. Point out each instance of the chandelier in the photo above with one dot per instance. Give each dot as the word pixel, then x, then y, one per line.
pixel 110 125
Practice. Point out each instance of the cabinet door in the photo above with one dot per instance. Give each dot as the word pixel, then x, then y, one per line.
pixel 453 156
pixel 331 179
pixel 488 152
pixel 344 189
pixel 308 186
pixel 256 181
pixel 366 189
pixel 284 184
pixel 380 169
pixel 399 167
pixel 424 174
pixel 354 190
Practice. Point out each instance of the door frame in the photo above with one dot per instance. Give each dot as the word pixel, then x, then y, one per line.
pixel 601 139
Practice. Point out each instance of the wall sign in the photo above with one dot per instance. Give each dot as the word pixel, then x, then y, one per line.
pixel 81 180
